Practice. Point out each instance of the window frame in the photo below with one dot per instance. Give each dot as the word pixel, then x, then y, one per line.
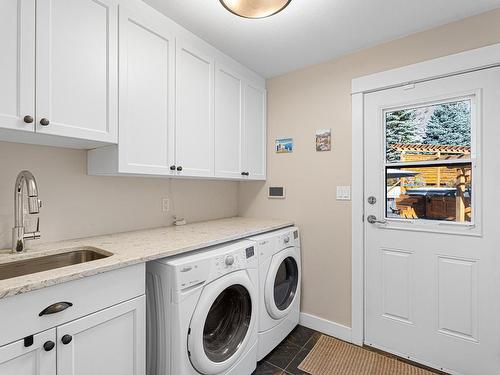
pixel 430 225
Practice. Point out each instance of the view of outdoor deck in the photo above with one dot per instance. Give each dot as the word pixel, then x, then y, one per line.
pixel 429 168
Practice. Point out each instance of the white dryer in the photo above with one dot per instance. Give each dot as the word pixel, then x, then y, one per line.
pixel 202 312
pixel 279 286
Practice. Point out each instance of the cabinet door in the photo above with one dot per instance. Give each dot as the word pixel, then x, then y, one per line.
pixel 147 58
pixel 76 71
pixel 194 112
pixel 254 137
pixel 110 342
pixel 17 63
pixel 17 359
pixel 228 123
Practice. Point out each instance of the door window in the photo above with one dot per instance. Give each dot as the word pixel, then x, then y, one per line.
pixel 285 283
pixel 227 323
pixel 428 161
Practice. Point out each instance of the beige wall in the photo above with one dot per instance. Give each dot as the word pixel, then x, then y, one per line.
pixel 76 205
pixel 319 97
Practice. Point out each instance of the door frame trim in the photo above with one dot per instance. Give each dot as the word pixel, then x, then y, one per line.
pixel 464 62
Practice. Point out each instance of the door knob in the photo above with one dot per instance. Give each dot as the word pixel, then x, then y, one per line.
pixel 28 119
pixel 48 346
pixel 66 339
pixel 44 122
pixel 372 219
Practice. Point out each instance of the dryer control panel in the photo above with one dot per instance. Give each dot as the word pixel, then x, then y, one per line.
pixel 271 243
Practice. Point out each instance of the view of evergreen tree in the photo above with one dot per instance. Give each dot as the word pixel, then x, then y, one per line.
pixel 449 125
pixel 400 128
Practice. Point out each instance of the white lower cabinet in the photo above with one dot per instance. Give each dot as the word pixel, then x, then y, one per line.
pixel 110 342
pixel 90 326
pixel 26 357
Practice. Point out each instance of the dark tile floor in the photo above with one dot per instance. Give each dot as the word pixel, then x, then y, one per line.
pixel 286 358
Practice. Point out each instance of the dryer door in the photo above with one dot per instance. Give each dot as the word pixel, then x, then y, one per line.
pixel 282 283
pixel 222 323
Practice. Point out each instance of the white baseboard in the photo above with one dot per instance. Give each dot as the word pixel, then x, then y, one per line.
pixel 327 327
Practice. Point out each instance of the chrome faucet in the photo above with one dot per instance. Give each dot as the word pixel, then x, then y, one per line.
pixel 19 236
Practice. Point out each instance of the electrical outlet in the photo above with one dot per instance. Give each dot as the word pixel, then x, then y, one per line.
pixel 165 204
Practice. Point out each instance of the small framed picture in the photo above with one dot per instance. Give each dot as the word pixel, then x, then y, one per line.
pixel 323 140
pixel 284 145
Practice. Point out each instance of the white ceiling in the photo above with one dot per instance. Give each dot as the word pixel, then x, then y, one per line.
pixel 312 31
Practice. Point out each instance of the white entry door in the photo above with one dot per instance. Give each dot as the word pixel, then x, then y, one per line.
pixel 432 179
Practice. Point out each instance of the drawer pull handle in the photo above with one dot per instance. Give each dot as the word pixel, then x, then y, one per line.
pixel 55 308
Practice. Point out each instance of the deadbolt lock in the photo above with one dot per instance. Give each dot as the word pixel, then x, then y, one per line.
pixel 372 200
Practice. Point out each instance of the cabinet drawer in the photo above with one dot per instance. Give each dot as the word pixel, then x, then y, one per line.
pixel 20 314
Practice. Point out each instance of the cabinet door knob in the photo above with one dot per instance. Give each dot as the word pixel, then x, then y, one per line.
pixel 66 339
pixel 44 122
pixel 172 167
pixel 49 345
pixel 28 119
pixel 179 168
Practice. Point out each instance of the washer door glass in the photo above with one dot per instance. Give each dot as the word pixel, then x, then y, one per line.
pixel 227 323
pixel 285 283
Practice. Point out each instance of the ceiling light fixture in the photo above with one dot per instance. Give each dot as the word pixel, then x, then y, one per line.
pixel 255 8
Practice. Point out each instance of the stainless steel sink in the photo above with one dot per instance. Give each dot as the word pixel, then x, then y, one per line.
pixel 50 262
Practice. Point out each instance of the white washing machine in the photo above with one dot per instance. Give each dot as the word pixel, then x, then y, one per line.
pixel 279 286
pixel 202 312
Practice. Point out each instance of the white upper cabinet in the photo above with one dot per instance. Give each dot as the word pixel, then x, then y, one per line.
pixel 254 134
pixel 17 64
pixel 146 96
pixel 33 358
pixel 194 127
pixel 147 83
pixel 228 123
pixel 76 73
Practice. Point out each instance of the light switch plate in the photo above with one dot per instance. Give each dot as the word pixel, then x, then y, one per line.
pixel 343 193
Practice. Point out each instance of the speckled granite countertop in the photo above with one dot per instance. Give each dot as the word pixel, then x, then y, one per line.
pixel 130 248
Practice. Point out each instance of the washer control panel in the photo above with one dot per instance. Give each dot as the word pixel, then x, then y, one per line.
pixel 206 265
pixel 235 260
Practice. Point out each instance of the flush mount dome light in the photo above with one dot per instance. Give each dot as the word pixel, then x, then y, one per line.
pixel 255 8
